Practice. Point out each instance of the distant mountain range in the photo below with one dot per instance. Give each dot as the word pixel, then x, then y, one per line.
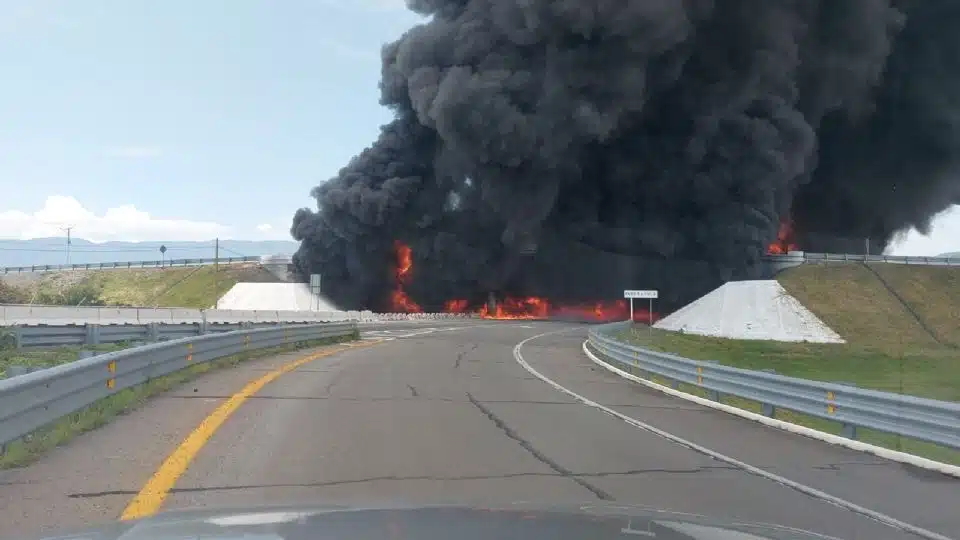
pixel 44 251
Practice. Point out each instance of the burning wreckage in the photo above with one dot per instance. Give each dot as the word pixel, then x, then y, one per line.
pixel 546 155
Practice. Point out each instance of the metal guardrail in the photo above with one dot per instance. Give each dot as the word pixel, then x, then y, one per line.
pixel 802 257
pixel 29 402
pixel 95 334
pixel 919 418
pixel 128 264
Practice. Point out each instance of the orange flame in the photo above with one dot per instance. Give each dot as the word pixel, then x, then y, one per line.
pixel 785 240
pixel 404 261
pixel 510 308
pixel 532 308
pixel 399 300
pixel 455 306
pixel 517 308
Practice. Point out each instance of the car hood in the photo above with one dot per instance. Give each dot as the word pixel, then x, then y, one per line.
pixel 437 522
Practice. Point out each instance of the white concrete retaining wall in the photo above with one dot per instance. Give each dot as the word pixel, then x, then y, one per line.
pixel 11 315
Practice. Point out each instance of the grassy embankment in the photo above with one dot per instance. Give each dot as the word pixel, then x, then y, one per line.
pixel 901 324
pixel 187 287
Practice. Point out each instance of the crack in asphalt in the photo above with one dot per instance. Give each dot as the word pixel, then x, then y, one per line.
pixel 397 478
pixel 333 382
pixel 566 473
pixel 461 354
pixel 416 393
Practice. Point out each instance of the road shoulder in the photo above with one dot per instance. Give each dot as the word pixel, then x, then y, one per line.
pixel 89 480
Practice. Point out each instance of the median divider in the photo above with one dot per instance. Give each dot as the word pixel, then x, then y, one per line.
pixel 922 419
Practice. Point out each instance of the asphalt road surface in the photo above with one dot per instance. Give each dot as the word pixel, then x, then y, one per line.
pixel 445 413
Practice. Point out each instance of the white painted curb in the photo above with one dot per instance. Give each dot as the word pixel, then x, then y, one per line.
pixel 885 453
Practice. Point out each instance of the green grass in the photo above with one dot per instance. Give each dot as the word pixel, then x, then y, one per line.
pixel 196 287
pixel 928 372
pixel 29 448
pixel 186 287
pixel 885 440
pixel 45 358
pixel 933 292
pixel 886 349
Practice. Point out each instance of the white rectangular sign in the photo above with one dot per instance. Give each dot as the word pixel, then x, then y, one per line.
pixel 640 294
pixel 315 281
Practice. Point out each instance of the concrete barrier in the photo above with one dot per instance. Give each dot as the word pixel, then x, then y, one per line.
pixel 12 315
pixel 158 315
pixel 52 315
pixel 108 315
pixel 185 316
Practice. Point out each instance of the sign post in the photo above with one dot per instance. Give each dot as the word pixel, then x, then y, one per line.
pixel 649 295
pixel 315 288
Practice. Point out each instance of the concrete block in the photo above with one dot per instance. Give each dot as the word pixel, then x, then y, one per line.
pixel 160 315
pixel 116 315
pixel 186 316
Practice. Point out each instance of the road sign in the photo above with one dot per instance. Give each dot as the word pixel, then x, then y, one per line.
pixel 641 294
pixel 648 295
pixel 315 288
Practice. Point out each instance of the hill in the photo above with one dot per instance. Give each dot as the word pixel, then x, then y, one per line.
pixel 44 251
pixel 190 287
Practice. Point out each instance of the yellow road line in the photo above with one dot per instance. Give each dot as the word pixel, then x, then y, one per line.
pixel 149 500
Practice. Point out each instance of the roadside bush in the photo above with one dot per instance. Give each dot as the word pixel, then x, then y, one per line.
pixel 12 295
pixel 84 293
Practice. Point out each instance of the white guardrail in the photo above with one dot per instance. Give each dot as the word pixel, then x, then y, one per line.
pixel 165 263
pixel 918 418
pixel 801 257
pixel 24 315
pixel 53 326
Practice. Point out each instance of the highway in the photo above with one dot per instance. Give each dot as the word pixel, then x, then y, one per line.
pixel 452 412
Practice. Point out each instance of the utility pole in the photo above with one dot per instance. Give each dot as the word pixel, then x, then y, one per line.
pixel 68 229
pixel 216 273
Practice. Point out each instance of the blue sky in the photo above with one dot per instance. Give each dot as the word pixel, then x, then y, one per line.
pixel 188 119
pixel 219 111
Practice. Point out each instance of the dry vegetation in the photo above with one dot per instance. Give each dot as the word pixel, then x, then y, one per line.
pixel 188 287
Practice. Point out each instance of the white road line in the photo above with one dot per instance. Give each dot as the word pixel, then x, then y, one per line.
pixel 807 490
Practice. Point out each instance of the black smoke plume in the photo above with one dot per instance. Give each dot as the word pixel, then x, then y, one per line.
pixel 574 148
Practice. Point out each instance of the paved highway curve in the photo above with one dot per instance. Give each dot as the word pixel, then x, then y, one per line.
pixel 446 413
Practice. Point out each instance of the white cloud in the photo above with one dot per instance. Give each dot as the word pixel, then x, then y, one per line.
pixel 135 152
pixel 944 237
pixel 265 227
pixel 120 223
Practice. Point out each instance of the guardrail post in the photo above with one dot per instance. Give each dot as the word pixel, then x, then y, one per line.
pixel 712 395
pixel 848 430
pixel 18 336
pixel 769 410
pixel 153 332
pixel 93 334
